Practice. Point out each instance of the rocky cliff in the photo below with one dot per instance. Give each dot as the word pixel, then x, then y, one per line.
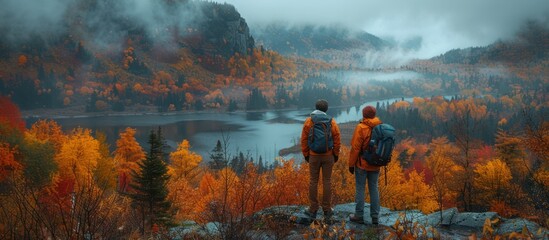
pixel 288 222
pixel 225 32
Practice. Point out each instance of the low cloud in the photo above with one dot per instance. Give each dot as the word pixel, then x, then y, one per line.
pixel 105 21
pixel 441 25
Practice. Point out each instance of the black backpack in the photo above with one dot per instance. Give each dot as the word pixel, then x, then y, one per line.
pixel 320 135
pixel 380 148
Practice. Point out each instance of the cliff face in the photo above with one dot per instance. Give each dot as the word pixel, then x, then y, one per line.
pixel 225 31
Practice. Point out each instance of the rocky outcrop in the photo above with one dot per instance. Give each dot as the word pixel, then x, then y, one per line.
pixel 448 224
pixel 225 31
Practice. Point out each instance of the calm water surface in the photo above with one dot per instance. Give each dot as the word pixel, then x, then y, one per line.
pixel 258 133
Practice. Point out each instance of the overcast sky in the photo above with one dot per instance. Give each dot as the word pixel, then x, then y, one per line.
pixel 442 25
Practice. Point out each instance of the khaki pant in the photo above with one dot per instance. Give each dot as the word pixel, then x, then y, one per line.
pixel 316 164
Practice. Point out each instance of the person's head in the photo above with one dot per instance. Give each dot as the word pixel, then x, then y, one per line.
pixel 321 105
pixel 368 112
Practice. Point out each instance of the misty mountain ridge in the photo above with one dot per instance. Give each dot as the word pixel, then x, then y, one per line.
pixel 333 44
pixel 129 53
pixel 530 45
pixel 93 46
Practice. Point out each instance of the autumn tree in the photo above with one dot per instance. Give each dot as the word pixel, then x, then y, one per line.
pixel 38 157
pixel 509 150
pixel 289 178
pixel 184 162
pixel 343 183
pixel 441 165
pixel 22 60
pixel 78 156
pixel 391 179
pixel 493 180
pixel 183 170
pixel 105 173
pixel 536 141
pixel 48 130
pixel 11 114
pixel 127 155
pixel 150 185
pixel 417 194
pixel 467 119
pixel 8 164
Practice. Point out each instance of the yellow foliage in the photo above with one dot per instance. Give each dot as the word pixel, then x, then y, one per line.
pixel 183 161
pixel 418 195
pixel 78 156
pixel 492 179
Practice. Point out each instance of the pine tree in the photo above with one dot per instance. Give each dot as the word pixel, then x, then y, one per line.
pixel 150 185
pixel 218 158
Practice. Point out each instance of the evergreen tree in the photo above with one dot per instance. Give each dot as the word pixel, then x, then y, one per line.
pixel 149 183
pixel 218 160
pixel 233 106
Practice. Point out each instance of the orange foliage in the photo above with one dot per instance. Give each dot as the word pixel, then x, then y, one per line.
pixel 8 163
pixel 22 60
pixel 48 130
pixel 127 154
pixel 289 179
pixel 343 183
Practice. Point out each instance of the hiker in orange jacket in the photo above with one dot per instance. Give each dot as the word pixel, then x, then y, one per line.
pixel 320 161
pixel 362 170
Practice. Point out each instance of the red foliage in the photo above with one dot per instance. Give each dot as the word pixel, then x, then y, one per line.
pixel 59 195
pixel 10 114
pixel 484 154
pixel 419 166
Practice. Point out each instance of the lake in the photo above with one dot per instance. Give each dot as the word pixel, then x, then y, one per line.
pixel 255 133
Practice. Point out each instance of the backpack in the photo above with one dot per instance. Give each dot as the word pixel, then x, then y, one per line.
pixel 380 147
pixel 320 135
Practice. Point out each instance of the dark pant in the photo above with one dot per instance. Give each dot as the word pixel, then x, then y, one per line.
pixel 361 176
pixel 319 163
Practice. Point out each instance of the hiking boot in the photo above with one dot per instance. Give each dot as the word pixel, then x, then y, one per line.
pixel 310 215
pixel 356 219
pixel 375 221
pixel 328 216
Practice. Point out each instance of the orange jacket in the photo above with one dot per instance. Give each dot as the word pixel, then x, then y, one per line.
pixel 361 138
pixel 305 136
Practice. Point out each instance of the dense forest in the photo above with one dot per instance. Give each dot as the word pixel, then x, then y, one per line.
pixel 474 135
pixel 477 153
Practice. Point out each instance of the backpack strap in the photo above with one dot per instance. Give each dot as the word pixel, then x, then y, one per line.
pixel 385 167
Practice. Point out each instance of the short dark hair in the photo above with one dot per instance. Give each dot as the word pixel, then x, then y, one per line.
pixel 321 105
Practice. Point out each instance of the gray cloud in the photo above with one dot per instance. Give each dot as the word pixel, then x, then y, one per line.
pixel 442 25
pixel 106 21
pixel 19 19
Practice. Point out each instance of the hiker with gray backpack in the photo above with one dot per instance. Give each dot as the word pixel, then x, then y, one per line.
pixel 320 144
pixel 371 148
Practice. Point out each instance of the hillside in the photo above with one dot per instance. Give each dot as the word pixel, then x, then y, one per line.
pixel 108 55
pixel 333 44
